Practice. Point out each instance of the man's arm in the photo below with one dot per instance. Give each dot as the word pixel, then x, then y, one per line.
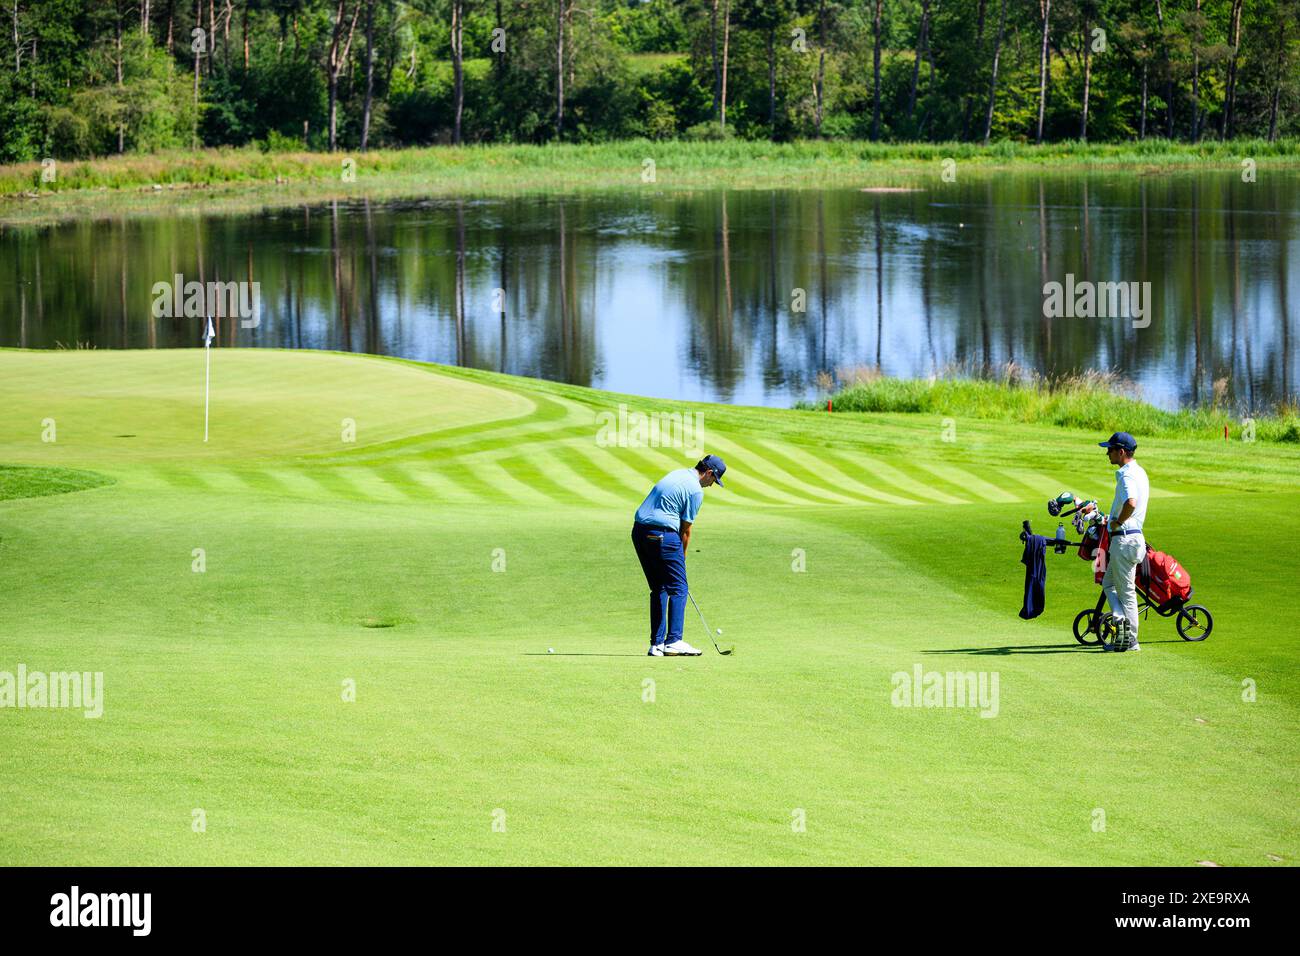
pixel 1125 513
pixel 687 517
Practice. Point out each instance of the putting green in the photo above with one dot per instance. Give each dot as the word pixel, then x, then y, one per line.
pixel 232 595
pixel 111 406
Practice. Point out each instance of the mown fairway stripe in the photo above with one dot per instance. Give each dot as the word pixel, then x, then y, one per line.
pixel 559 418
pixel 937 486
pixel 225 481
pixel 437 485
pixel 397 479
pixel 1038 484
pixel 886 474
pixel 434 444
pixel 968 481
pixel 823 464
pixel 543 411
pixel 334 483
pixel 811 469
pixel 1046 486
pixel 528 471
pixel 517 443
pixel 182 478
pixel 632 462
pixel 746 483
pixel 774 475
pixel 577 474
pixel 931 480
pixel 149 477
pixel 507 483
pixel 466 477
pixel 370 484
pixel 617 476
pixel 263 482
pixel 640 473
pixel 855 470
pixel 296 482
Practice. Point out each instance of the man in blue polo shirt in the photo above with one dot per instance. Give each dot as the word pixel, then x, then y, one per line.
pixel 661 534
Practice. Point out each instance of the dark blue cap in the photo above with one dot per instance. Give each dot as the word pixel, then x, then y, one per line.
pixel 1120 440
pixel 714 464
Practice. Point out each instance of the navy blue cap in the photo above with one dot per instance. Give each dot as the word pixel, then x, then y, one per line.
pixel 1120 440
pixel 714 464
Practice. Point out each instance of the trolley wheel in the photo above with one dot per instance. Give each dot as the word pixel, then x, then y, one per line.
pixel 1194 623
pixel 1085 626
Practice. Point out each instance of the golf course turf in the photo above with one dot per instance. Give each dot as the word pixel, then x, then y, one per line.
pixel 476 521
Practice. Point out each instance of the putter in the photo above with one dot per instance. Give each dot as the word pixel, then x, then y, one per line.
pixel 706 627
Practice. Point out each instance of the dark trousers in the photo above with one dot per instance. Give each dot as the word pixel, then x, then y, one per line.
pixel 663 559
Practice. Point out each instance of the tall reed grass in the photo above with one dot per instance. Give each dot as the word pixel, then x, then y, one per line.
pixel 732 162
pixel 1098 400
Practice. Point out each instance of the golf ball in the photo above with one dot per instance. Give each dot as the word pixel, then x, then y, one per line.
pixel 719 632
pixel 550 650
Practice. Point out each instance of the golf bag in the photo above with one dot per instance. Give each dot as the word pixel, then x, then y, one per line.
pixel 1162 583
pixel 1094 540
pixel 1162 580
pixel 1165 581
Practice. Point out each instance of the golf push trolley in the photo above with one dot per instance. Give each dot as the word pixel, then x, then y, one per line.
pixel 1161 583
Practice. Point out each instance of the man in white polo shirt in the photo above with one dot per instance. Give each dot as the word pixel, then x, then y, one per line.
pixel 1128 512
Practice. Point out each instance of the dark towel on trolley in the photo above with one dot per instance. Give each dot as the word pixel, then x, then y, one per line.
pixel 1035 575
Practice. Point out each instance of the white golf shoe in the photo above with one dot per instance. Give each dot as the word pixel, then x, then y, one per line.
pixel 656 650
pixel 680 649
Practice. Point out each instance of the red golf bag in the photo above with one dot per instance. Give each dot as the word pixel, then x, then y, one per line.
pixel 1165 582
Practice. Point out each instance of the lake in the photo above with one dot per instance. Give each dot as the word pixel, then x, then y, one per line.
pixel 740 297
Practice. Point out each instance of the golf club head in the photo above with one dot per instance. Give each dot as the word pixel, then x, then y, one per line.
pixel 1063 500
pixel 705 624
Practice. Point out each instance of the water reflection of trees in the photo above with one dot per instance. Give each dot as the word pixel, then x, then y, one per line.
pixel 911 283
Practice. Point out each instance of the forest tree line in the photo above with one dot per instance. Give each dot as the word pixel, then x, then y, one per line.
pixel 82 78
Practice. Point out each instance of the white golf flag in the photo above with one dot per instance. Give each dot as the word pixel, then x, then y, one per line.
pixel 208 336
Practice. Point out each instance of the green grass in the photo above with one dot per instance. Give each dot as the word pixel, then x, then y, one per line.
pixel 248 178
pixel 18 482
pixel 373 561
pixel 1096 401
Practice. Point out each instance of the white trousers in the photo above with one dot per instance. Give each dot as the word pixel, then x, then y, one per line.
pixel 1125 554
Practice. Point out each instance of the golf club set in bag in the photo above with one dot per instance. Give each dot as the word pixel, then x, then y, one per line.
pixel 1163 584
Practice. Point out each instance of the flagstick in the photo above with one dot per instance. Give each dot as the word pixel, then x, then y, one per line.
pixel 208 335
pixel 207 385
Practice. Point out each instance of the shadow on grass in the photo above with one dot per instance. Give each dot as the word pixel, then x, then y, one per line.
pixel 578 654
pixel 1014 649
pixel 1034 648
